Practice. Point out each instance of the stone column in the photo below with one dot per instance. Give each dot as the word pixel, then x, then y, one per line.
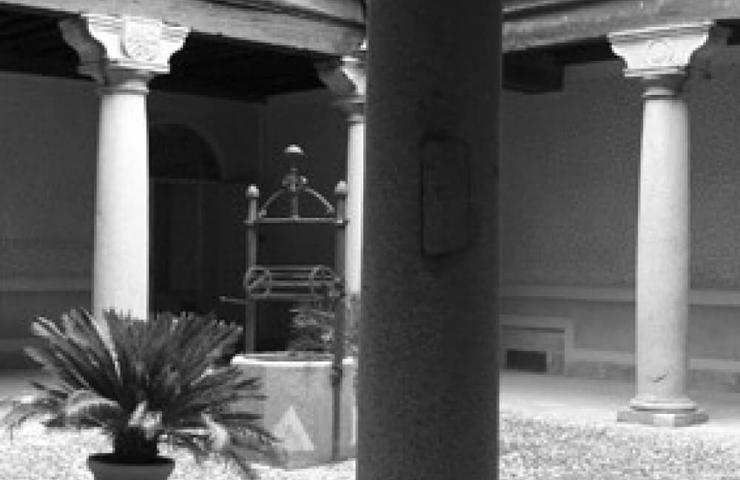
pixel 428 387
pixel 661 58
pixel 122 54
pixel 346 79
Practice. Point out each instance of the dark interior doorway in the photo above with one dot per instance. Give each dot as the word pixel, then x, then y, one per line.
pixel 182 166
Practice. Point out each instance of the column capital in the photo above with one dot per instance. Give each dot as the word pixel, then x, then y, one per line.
pixel 346 78
pixel 666 50
pixel 118 49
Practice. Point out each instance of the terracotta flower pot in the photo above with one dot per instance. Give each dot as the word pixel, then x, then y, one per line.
pixel 103 467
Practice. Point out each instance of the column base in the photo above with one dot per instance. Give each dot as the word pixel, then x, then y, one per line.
pixel 662 418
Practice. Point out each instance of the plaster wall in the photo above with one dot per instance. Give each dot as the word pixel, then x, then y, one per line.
pixel 46 192
pixel 569 176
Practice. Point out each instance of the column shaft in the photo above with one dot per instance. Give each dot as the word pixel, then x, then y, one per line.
pixel 121 251
pixel 428 390
pixel 663 253
pixel 356 192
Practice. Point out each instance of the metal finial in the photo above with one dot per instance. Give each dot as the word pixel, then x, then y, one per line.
pixel 293 180
pixel 293 149
pixel 294 154
pixel 341 188
pixel 253 191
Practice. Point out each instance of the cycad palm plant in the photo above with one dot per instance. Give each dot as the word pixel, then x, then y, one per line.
pixel 144 383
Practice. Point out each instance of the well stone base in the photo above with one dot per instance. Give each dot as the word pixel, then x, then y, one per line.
pixel 662 419
pixel 298 407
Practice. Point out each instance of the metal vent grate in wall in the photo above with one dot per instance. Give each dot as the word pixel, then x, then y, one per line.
pixel 528 361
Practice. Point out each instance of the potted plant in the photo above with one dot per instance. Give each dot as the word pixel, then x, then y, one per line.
pixel 144 383
pixel 312 328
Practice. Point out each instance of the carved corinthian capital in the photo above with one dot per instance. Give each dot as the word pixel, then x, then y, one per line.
pixel 667 49
pixel 111 46
pixel 346 78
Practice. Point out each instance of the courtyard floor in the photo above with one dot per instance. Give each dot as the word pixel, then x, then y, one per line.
pixel 551 427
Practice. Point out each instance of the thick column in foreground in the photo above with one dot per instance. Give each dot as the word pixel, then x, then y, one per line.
pixel 660 57
pixel 428 386
pixel 122 54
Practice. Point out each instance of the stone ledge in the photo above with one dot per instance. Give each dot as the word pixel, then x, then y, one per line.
pixel 662 419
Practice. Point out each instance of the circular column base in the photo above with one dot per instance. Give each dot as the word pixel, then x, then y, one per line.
pixel 662 404
pixel 662 418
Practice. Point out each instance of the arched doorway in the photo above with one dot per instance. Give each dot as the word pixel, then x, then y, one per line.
pixel 183 167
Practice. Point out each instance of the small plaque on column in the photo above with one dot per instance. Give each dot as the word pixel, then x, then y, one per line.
pixel 445 192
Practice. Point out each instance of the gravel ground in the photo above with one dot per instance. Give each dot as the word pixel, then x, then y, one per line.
pixel 530 448
pixel 34 453
pixel 551 448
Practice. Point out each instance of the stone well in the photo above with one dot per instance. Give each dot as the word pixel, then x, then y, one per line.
pixel 298 407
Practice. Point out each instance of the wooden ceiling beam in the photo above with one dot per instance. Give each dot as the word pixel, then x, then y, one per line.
pixel 323 29
pixel 541 23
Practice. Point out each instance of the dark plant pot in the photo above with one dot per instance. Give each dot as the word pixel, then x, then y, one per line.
pixel 103 467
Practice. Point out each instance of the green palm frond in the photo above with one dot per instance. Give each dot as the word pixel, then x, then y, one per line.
pixel 48 363
pixel 218 435
pixel 78 350
pixel 85 406
pixel 65 352
pixel 23 410
pixel 247 443
pixel 122 344
pixel 59 393
pixel 88 333
pixel 149 422
pixel 242 461
pixel 196 444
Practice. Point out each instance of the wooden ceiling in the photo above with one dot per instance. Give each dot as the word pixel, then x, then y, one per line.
pixel 207 65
